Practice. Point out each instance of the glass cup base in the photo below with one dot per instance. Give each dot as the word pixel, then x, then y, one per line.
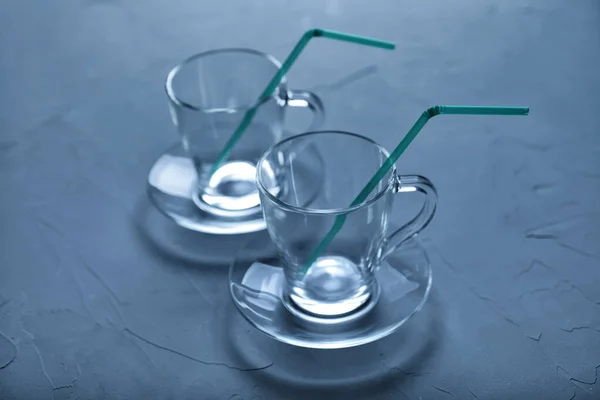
pixel 260 294
pixel 171 187
pixel 332 288
pixel 231 191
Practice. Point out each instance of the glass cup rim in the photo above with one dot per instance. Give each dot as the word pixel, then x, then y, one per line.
pixel 323 211
pixel 240 50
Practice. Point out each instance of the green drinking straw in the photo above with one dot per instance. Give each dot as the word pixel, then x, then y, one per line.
pixel 287 64
pixel 391 160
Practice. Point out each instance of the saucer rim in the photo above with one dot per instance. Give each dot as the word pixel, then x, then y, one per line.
pixel 340 345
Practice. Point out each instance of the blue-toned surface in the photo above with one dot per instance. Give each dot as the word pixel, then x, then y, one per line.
pixel 91 307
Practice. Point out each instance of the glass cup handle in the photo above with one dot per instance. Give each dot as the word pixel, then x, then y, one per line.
pixel 406 184
pixel 306 99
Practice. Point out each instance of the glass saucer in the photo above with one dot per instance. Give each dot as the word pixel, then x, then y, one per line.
pixel 257 287
pixel 170 186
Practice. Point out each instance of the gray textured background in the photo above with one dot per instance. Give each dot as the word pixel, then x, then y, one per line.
pixel 101 297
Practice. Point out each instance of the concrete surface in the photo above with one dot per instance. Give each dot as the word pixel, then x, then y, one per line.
pixel 102 297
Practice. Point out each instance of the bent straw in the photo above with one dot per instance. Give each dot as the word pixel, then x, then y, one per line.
pixel 391 160
pixel 287 64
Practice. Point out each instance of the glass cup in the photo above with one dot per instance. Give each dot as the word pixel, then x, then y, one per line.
pixel 209 93
pixel 341 280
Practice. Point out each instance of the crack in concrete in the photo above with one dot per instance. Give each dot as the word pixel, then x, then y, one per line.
pixel 491 301
pixel 69 386
pixel 143 351
pixel 536 262
pixel 541 236
pixel 471 392
pixel 588 383
pixel 102 282
pixel 195 286
pixel 406 373
pixel 111 294
pixel 573 286
pixel 81 292
pixel 576 171
pixel 543 290
pixel 46 242
pixel 576 250
pixel 532 264
pixel 10 361
pixel 191 358
pixel 537 187
pixel 50 226
pixel 517 171
pixel 492 304
pixel 443 257
pixel 114 300
pixel 407 396
pixel 444 391
pixel 5 302
pixel 534 233
pixel 558 367
pixel 39 356
pixel 579 328
pixel 560 221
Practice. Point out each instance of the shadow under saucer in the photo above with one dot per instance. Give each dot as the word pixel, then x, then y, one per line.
pixel 173 242
pixel 356 372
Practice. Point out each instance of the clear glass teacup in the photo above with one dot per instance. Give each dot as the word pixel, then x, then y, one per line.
pixel 209 94
pixel 341 281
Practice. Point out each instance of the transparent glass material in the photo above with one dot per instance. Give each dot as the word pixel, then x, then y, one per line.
pixel 209 94
pixel 368 280
pixel 341 279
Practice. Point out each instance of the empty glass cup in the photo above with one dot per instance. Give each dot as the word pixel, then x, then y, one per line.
pixel 209 94
pixel 341 282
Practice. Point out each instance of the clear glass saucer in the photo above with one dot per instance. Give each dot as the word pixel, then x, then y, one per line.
pixel 257 289
pixel 171 189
